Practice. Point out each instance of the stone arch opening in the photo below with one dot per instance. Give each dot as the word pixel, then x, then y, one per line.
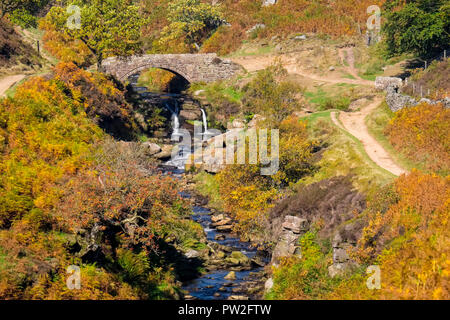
pixel 177 84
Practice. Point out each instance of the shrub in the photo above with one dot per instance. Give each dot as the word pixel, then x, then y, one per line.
pixel 410 243
pixel 271 95
pixel 421 132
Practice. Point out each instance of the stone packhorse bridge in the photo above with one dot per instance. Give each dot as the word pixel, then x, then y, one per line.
pixel 193 67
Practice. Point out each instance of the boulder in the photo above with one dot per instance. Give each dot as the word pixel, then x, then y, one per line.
pixel 300 37
pixel 217 217
pixel 256 27
pixel 226 221
pixel 230 276
pixel 287 245
pixel 269 2
pixel 295 224
pixel 255 120
pixel 214 163
pixel 219 237
pixel 236 124
pixel 191 253
pixel 191 114
pixel 238 258
pixel 226 228
pixel 268 285
pixel 150 148
pixel 166 152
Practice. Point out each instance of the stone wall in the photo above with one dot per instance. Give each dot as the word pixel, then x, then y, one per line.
pixel 192 67
pixel 396 100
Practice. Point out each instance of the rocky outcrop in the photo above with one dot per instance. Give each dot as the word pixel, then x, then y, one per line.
pixel 341 259
pixel 255 120
pixel 287 245
pixel 222 223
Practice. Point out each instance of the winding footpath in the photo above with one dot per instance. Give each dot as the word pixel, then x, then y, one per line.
pixel 8 82
pixel 355 124
pixel 352 122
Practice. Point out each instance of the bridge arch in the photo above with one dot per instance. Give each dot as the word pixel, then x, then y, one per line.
pixel 146 67
pixel 192 67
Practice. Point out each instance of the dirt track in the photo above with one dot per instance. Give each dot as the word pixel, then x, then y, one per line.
pixel 255 63
pixel 354 123
pixel 8 82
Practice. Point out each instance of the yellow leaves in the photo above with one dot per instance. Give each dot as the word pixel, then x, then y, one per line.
pixel 415 239
pixel 422 133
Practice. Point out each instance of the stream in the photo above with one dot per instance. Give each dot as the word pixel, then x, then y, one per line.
pixel 212 285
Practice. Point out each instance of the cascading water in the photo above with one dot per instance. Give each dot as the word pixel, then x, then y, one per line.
pixel 175 120
pixel 205 123
pixel 184 151
pixel 211 285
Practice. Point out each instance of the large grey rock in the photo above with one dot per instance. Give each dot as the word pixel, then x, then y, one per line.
pixel 295 224
pixel 342 262
pixel 191 253
pixel 230 276
pixel 287 245
pixel 166 152
pixel 301 37
pixel 151 148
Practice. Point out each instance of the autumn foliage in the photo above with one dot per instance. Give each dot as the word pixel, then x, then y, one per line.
pixel 69 195
pixel 421 133
pixel 410 242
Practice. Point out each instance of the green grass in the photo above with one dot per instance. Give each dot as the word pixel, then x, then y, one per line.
pixel 329 97
pixel 218 90
pixel 245 52
pixel 207 185
pixel 349 76
pixel 319 97
pixel 344 155
pixel 376 123
pixel 369 77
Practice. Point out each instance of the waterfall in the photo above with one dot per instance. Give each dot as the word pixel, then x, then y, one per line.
pixel 176 124
pixel 205 123
pixel 175 119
